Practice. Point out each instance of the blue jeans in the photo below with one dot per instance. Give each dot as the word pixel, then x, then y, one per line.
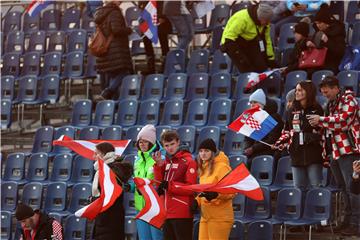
pixel 342 170
pixel 110 83
pixel 307 177
pixel 148 232
pixel 185 29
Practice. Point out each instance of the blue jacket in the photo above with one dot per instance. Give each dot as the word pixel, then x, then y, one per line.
pixel 312 7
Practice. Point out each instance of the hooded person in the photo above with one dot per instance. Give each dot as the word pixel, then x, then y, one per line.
pixel 217 215
pixel 246 39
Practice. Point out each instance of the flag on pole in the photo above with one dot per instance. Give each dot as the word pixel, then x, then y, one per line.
pixel 36 6
pixel 110 191
pixel 148 21
pixel 256 78
pixel 254 123
pixel 154 210
pixel 239 180
pixel 86 148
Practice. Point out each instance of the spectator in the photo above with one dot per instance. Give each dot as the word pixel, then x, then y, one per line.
pixel 246 39
pixel 179 168
pixel 355 183
pixel 252 147
pixel 330 33
pixel 144 168
pixel 117 63
pixel 217 215
pixel 180 17
pixel 37 225
pixel 110 224
pixel 303 140
pixel 342 144
pixel 290 98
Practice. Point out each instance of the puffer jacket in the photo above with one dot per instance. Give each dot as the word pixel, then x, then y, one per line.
pixel 219 209
pixel 118 59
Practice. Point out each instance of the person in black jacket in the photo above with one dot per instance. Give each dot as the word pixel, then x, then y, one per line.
pixel 355 183
pixel 303 140
pixel 117 63
pixel 37 225
pixel 253 148
pixel 110 224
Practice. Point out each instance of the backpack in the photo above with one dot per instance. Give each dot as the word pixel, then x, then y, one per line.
pixel 99 44
pixel 351 59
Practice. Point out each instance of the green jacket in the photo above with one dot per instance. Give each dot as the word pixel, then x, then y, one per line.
pixel 243 24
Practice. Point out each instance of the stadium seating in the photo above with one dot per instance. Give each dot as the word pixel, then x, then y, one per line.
pixel 15 168
pixel 197 87
pixel 111 133
pixel 82 170
pixel 9 196
pixel 12 22
pixel 38 168
pixel 32 195
pixel 6 228
pixel 7 87
pixel 153 87
pixel 62 166
pixel 104 113
pixel 173 113
pixel 15 42
pixel 260 230
pixel 6 112
pixel 75 228
pixel 220 86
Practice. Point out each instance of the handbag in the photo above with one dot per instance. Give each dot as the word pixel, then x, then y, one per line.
pixel 312 58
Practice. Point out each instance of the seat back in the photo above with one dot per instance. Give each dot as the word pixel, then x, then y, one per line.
pixel 216 38
pixel 199 62
pixel 32 195
pixel 318 204
pixel 284 175
pixel 349 80
pixel 6 113
pixel 77 41
pixel 220 113
pixel 14 167
pixel 219 15
pixel 153 87
pixel 62 166
pixel 173 112
pixel 104 113
pixel 75 228
pixel 55 199
pixel 131 134
pixel 50 20
pixel 209 132
pixel 15 42
pixel 260 230
pixel 6 225
pixel 175 62
pixel 80 196
pixel 289 204
pixel 187 135
pixel 7 87
pixel 112 133
pixel 233 143
pixel 81 115
pixel 237 231
pixel 52 64
pixel 241 105
pixel 89 133
pixel 197 112
pixel 130 87
pixel 239 205
pixel 293 78
pixel 176 86
pixel 286 36
pixel 50 89
pixel 11 64
pixel 74 65
pixel 70 19
pixel 31 23
pixel 57 42
pixel 318 76
pixel 38 167
pixel 235 160
pixel 82 170
pixel 198 86
pixel 37 42
pixel 149 112
pixel 259 209
pixel 9 195
pixel 221 62
pixel 127 112
pixel 262 169
pixel 43 140
pixel 12 21
pixel 31 64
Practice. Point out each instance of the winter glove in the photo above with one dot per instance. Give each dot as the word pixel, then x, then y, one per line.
pixel 194 207
pixel 209 195
pixel 162 187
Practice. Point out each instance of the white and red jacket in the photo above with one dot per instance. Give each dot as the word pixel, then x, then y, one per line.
pixel 177 169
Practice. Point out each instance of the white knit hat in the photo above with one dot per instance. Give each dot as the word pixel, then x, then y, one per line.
pixel 258 96
pixel 148 133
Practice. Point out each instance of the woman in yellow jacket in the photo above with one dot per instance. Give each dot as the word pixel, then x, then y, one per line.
pixel 217 214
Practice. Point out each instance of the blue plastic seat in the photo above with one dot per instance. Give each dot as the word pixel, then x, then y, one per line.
pixel 27 92
pixel 198 86
pixel 79 197
pixel 262 168
pixel 221 63
pixel 131 134
pixel 6 113
pixel 286 36
pixel 199 62
pixel 148 112
pixel 9 196
pixel 323 101
pixel 52 64
pixel 241 105
pixel 75 228
pixel 173 113
pixel 175 62
pixel 82 170
pixel 220 86
pixel 260 230
pixel 176 86
pixel 239 205
pixel 37 42
pixel 6 225
pixel 38 168
pixel 187 136
pixel 220 113
pixel 337 10
pixel 284 175
pixel 318 76
pixel 70 19
pixel 235 160
pixel 272 84
pixel 153 87
pixel 31 64
pixel 130 87
pixel 353 12
pixel 11 64
pixel 216 38
pixel 62 166
pixel 104 113
pixel 14 167
pixel 112 133
pixel 57 42
pixel 240 90
pixel 132 15
pixel 209 132
pixel 89 133
pixel 219 15
pixel 257 210
pixel 77 41
pixel 237 231
pixel 81 115
pixel 50 20
pixel 87 22
pixel 7 87
pixel 15 42
pixel 50 89
pixel 32 195
pixel 31 24
pixel 240 6
pixel 12 21
pixel 293 78
pixel 130 227
pixel 197 112
pixel 43 140
pixel 74 65
pixel 55 199
pixel 130 158
pixel 349 80
pixel 233 143
pixel 129 204
pixel 90 68
pixel 127 112
pixel 284 56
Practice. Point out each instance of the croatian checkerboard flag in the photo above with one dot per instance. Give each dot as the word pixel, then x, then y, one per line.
pixel 148 21
pixel 110 191
pixel 36 6
pixel 86 148
pixel 254 123
pixel 154 210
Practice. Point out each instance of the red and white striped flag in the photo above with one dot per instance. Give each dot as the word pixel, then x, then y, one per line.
pixel 239 180
pixel 154 210
pixel 256 78
pixel 110 191
pixel 86 148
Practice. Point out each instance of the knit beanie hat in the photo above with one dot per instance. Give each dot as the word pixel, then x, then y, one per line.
pixel 323 15
pixel 208 144
pixel 148 133
pixel 302 28
pixel 290 96
pixel 264 12
pixel 23 212
pixel 258 96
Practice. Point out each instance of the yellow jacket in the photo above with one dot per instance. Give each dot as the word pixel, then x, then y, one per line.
pixel 219 209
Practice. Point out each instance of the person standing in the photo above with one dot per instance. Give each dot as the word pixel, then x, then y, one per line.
pixel 217 215
pixel 302 139
pixel 178 168
pixel 341 125
pixel 36 225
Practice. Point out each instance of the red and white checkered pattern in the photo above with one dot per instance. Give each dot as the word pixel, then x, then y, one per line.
pixel 253 123
pixel 57 230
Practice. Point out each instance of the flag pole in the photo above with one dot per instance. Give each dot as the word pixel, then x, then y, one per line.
pixel 265 143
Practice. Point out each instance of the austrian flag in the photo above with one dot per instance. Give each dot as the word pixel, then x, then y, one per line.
pixel 256 78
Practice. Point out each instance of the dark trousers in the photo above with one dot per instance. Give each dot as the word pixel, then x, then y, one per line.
pixel 178 229
pixel 164 29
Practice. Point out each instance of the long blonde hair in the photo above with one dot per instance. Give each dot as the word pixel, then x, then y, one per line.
pixel 210 167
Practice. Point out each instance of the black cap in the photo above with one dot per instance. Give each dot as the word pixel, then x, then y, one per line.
pixel 23 212
pixel 208 144
pixel 323 15
pixel 302 28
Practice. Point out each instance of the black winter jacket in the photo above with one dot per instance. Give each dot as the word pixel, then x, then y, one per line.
pixel 310 151
pixel 118 58
pixel 355 186
pixel 294 57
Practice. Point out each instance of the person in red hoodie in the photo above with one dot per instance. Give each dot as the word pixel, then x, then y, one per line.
pixel 178 168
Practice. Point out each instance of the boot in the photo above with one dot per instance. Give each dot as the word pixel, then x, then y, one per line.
pixel 150 66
